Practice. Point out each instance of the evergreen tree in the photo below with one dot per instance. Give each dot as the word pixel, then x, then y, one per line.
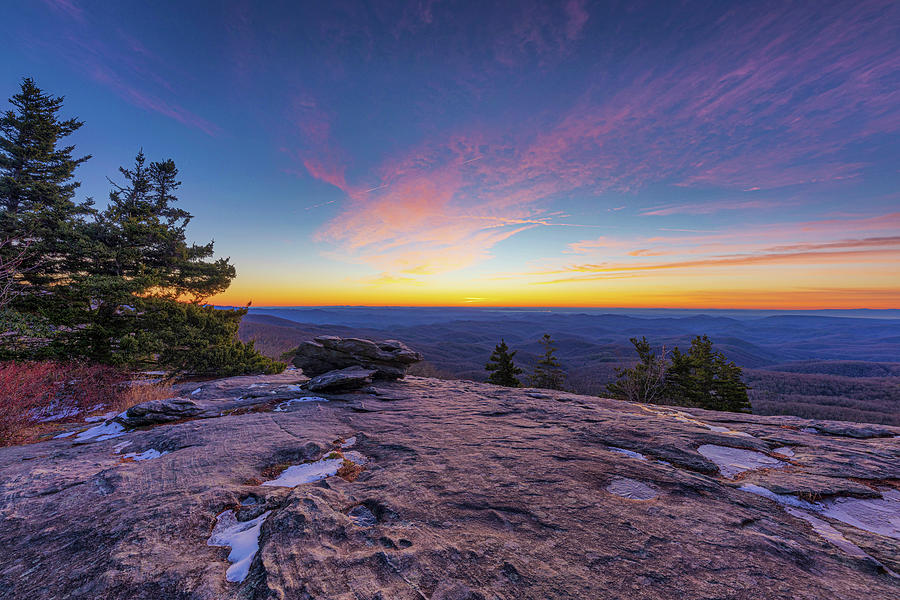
pixel 548 372
pixel 149 283
pixel 38 210
pixel 705 378
pixel 120 287
pixel 701 377
pixel 503 370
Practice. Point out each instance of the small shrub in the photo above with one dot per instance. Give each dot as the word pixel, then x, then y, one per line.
pixel 33 394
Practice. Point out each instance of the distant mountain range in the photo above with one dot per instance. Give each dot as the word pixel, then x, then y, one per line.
pixel 825 353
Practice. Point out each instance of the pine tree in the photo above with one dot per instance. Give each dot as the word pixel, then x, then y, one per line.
pixel 503 370
pixel 122 286
pixel 38 210
pixel 706 379
pixel 548 372
pixel 149 284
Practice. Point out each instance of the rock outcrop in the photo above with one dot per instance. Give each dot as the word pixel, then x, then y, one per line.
pixel 389 359
pixel 434 489
pixel 342 379
pixel 154 412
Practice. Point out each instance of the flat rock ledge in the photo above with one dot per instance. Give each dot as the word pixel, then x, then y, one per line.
pixel 341 379
pixel 453 490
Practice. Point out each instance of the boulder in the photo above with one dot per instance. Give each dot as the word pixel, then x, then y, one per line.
pixel 341 379
pixel 159 411
pixel 389 359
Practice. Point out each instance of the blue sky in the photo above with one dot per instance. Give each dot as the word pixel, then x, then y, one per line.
pixel 569 153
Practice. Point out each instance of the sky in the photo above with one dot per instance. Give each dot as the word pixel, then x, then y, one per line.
pixel 527 153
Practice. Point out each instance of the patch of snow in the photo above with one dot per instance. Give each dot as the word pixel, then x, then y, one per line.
pixel 834 536
pixel 877 515
pixel 197 391
pixel 64 435
pixel 355 457
pixel 120 446
pixel 809 430
pixel 293 387
pixel 103 417
pixel 307 472
pixel 51 413
pixel 350 441
pixel 631 489
pixel 106 431
pixel 284 405
pixel 242 538
pixel 784 451
pixel 720 429
pixel 732 461
pixel 630 453
pixel 783 499
pixel 146 454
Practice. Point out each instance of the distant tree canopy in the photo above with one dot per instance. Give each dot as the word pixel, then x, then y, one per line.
pixel 700 377
pixel 548 372
pixel 503 370
pixel 120 286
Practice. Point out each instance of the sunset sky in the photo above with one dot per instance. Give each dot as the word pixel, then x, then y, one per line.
pixel 535 153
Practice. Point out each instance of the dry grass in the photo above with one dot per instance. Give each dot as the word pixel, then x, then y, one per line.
pixel 273 471
pixel 349 471
pixel 136 392
pixel 36 397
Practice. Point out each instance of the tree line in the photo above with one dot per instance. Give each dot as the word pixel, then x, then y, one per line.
pixel 119 286
pixel 700 377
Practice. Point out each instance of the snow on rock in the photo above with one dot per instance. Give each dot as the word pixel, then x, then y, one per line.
pixel 106 431
pixel 732 461
pixel 835 537
pixel 146 454
pixel 53 413
pixel 241 537
pixel 356 457
pixel 877 515
pixel 307 472
pixel 349 442
pixel 784 451
pixel 64 434
pixel 103 417
pixel 630 453
pixel 720 429
pixel 286 404
pixel 631 489
pixel 783 499
pixel 120 446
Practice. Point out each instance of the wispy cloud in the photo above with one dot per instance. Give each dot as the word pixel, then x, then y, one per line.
pixel 119 61
pixel 708 208
pixel 751 107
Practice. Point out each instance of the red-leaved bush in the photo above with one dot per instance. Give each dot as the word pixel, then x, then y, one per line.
pixel 36 393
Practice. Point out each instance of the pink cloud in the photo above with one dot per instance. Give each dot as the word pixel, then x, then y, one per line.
pixel 763 101
pixel 146 101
